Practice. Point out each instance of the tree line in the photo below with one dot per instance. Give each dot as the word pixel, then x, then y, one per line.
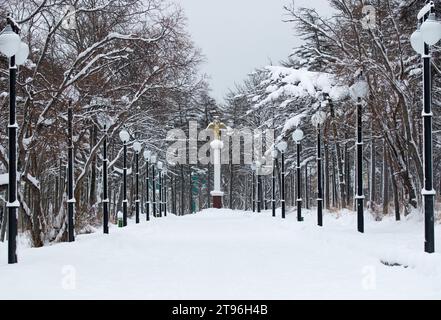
pixel 341 45
pixel 130 64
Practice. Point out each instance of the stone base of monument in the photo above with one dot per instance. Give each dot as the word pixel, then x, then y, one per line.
pixel 217 199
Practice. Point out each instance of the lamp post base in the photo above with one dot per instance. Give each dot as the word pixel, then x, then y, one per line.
pixel 217 199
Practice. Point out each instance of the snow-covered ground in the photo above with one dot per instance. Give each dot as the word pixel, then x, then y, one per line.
pixel 222 254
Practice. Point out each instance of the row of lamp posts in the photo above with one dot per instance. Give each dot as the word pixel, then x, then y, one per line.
pixel 151 161
pixel 359 92
pixel 159 173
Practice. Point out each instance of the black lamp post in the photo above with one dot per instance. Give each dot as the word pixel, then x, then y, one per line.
pixel 427 34
pixel 125 137
pixel 253 186
pixel 360 196
pixel 70 177
pixel 147 155
pixel 137 147
pixel 105 191
pixel 283 146
pixel 317 120
pixel 259 186
pixel 153 160
pixel 17 52
pixel 160 166
pixel 164 172
pixel 273 189
pixel 358 92
pixel 298 137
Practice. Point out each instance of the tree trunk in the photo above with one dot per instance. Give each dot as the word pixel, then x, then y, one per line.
pixel 373 182
pixel 200 200
pixel 339 157
pixel 396 199
pixel 230 187
pixel 334 183
pixel 326 180
pixel 92 191
pixel 306 187
pixel 191 204
pixel 348 170
pixel 4 223
pixel 36 219
pixel 174 196
pixel 181 207
pixel 120 198
pixel 246 193
pixel 209 187
pixel 385 184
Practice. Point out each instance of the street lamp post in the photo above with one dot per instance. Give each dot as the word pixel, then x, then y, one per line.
pixel 273 189
pixel 105 191
pixel 283 146
pixel 427 34
pixel 360 196
pixel 359 91
pixel 70 177
pixel 147 155
pixel 165 171
pixel 297 136
pixel 259 186
pixel 253 186
pixel 17 51
pixel 153 160
pixel 160 166
pixel 125 137
pixel 317 120
pixel 137 147
pixel 264 195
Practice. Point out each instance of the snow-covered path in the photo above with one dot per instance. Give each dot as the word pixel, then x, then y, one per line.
pixel 231 255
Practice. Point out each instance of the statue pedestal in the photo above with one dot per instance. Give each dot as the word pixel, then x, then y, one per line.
pixel 217 194
pixel 217 199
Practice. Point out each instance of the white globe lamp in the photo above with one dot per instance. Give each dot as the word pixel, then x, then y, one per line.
pixel 297 135
pixel 124 136
pixel 9 42
pixel 22 54
pixel 431 30
pixel 137 147
pixel 417 42
pixel 282 146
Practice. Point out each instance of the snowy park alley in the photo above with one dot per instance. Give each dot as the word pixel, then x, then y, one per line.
pixel 220 150
pixel 232 255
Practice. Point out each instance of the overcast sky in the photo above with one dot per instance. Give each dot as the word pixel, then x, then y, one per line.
pixel 238 35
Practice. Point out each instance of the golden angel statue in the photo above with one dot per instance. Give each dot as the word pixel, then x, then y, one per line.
pixel 217 126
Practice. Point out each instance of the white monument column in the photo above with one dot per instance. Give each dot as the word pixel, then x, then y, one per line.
pixel 216 146
pixel 217 194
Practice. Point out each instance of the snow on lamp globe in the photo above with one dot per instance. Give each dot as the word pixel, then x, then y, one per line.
pixel 431 30
pixel 22 54
pixel 282 146
pixel 137 147
pixel 124 136
pixel 147 155
pixel 9 42
pixel 297 135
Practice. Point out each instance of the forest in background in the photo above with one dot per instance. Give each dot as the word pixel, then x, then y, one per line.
pixel 340 46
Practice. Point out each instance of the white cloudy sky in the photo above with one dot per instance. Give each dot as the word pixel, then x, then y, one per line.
pixel 239 35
